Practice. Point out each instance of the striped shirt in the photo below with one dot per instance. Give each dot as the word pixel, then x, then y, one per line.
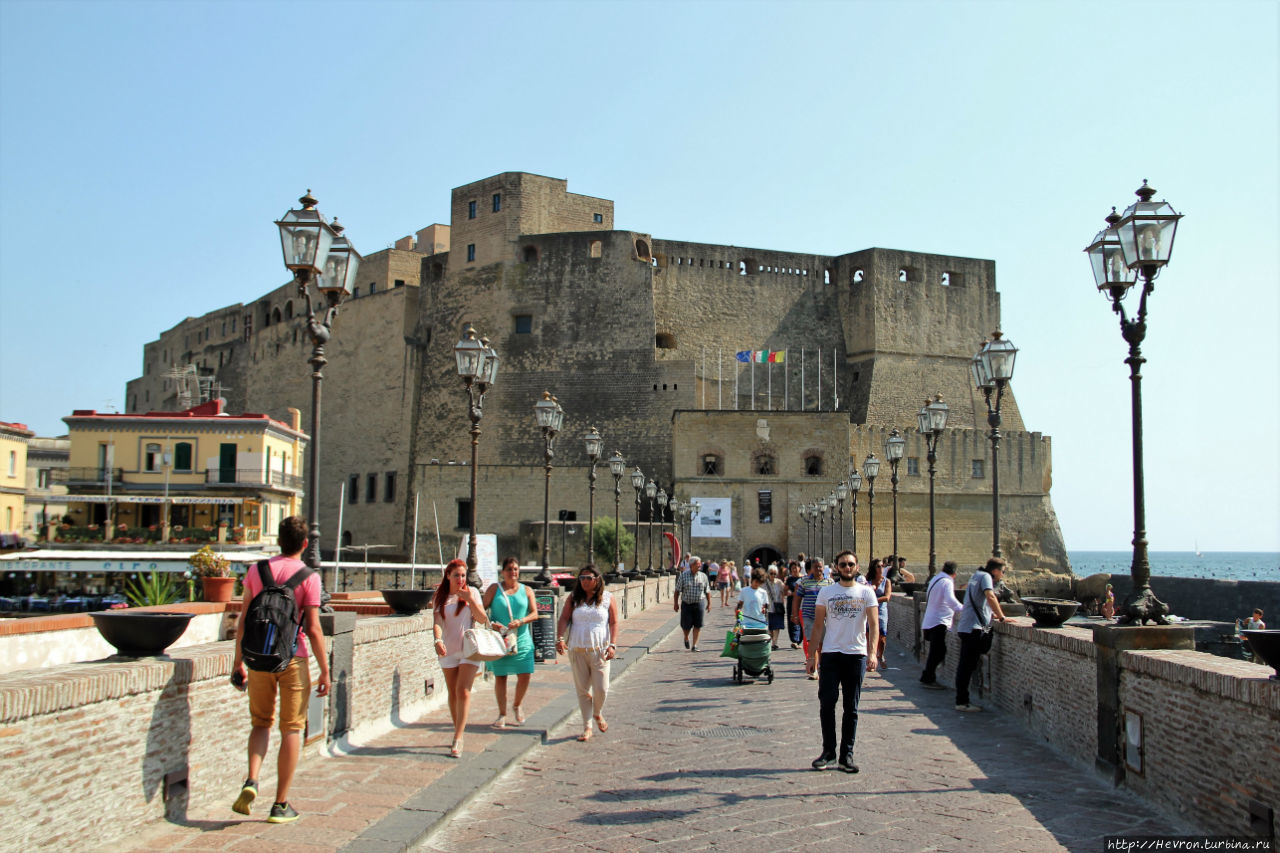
pixel 692 586
pixel 808 588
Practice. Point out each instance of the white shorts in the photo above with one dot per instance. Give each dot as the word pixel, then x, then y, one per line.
pixel 454 660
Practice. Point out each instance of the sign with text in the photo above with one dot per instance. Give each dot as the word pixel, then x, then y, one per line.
pixel 714 520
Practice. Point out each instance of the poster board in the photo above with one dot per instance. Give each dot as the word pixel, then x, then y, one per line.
pixel 714 520
pixel 486 557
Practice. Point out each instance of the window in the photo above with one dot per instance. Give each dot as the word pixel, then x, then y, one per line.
pixel 399 282
pixel 464 514
pixel 597 217
pixel 471 210
pixel 389 487
pixel 373 286
pixel 524 324
pixel 712 465
pixel 353 489
pixel 371 488
pixel 13 465
pixel 764 465
pixel 765 503
pixel 979 469
pixel 42 478
pixel 665 340
pixel 471 251
pixel 152 458
pixel 530 254
pixel 497 202
pixel 813 465
pixel 182 456
pixel 913 466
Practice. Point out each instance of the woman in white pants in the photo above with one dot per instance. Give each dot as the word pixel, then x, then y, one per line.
pixel 588 632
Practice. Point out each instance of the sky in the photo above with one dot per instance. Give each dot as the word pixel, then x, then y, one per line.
pixel 146 148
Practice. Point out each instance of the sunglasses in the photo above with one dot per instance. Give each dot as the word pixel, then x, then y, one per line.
pixel 586 577
pixel 845 564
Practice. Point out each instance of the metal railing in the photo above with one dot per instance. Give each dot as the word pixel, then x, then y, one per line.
pixel 86 475
pixel 251 477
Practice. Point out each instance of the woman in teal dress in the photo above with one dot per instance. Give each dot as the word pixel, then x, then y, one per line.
pixel 511 606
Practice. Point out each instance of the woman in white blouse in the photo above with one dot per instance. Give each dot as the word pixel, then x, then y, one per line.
pixel 588 632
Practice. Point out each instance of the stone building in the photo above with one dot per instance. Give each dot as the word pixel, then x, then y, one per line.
pixel 636 336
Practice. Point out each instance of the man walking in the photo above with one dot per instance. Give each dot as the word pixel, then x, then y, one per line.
pixel 941 607
pixel 293 683
pixel 808 588
pixel 693 590
pixel 980 607
pixel 846 623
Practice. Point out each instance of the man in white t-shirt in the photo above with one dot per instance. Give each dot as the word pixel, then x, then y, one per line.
pixel 846 623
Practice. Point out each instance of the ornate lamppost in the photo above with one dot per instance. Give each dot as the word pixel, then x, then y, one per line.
pixel 662 526
pixel 637 483
pixel 617 467
pixel 992 369
pixel 817 509
pixel 478 367
pixel 893 447
pixel 694 509
pixel 316 251
pixel 842 492
pixel 932 420
pixel 870 469
pixel 1139 241
pixel 550 417
pixel 594 444
pixel 855 485
pixel 650 491
pixel 803 510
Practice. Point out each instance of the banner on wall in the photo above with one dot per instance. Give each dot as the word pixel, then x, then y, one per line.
pixel 714 520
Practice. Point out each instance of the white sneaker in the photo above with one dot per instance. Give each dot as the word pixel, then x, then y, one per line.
pixel 969 708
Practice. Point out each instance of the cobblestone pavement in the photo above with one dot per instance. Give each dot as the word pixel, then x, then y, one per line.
pixel 693 761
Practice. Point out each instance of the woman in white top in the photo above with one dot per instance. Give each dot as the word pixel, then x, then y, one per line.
pixel 457 607
pixel 753 601
pixel 588 631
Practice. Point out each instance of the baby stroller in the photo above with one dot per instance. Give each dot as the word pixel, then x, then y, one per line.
pixel 753 646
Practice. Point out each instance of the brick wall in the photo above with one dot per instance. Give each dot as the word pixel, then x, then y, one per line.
pixel 1211 725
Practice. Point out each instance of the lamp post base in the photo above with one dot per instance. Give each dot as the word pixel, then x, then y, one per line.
pixel 1143 607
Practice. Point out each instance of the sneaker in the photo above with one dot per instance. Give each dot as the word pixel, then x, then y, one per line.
pixel 244 802
pixel 824 761
pixel 846 762
pixel 969 708
pixel 795 645
pixel 932 685
pixel 282 813
pixel 693 648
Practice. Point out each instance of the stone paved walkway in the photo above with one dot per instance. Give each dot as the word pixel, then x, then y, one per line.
pixel 695 762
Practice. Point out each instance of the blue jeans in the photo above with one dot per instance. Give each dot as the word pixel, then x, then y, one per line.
pixel 839 672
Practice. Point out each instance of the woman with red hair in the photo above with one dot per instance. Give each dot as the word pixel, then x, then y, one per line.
pixel 457 607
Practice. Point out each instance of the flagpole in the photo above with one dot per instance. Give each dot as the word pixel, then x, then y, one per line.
pixel 719 379
pixel 704 376
pixel 736 371
pixel 753 380
pixel 802 402
pixel 771 385
pixel 835 384
pixel 786 384
pixel 819 379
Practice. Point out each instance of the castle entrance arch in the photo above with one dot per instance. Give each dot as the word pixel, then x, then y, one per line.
pixel 766 554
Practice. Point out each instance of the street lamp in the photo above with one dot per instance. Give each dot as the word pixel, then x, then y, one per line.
pixel 695 509
pixel 316 251
pixel 932 420
pixel 871 468
pixel 992 369
pixel 1139 241
pixel 550 417
pixel 662 525
pixel 893 447
pixel 855 485
pixel 478 368
pixel 637 483
pixel 617 467
pixel 650 491
pixel 594 444
pixel 842 492
pixel 816 509
pixel 803 510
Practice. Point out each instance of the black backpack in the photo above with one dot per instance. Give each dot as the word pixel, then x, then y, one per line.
pixel 271 622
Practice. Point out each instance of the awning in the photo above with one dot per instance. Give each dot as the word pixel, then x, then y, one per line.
pixel 132 499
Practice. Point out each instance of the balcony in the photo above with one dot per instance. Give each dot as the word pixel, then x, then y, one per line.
pixel 252 477
pixel 80 476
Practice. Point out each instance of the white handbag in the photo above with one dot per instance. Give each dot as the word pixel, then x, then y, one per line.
pixel 482 644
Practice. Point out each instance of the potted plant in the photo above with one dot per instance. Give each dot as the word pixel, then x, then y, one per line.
pixel 214 570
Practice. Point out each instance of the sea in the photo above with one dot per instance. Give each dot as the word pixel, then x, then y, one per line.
pixel 1218 565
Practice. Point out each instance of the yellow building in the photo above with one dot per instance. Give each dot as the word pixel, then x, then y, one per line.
pixel 13 481
pixel 188 477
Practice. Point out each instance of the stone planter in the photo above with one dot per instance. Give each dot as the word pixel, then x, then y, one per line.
pixel 1266 645
pixel 407 602
pixel 218 589
pixel 141 633
pixel 1050 612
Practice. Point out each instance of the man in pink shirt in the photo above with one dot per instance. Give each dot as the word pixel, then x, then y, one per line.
pixel 293 683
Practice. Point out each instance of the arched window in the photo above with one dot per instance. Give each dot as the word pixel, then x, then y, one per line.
pixel 346 539
pixel 288 310
pixel 813 465
pixel 764 465
pixel 642 250
pixel 597 248
pixel 858 276
pixel 712 465
pixel 275 316
pixel 665 340
pixel 530 254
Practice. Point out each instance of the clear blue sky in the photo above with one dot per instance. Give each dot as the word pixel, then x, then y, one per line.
pixel 145 149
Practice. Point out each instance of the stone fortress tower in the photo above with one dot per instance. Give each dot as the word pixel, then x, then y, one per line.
pixel 635 336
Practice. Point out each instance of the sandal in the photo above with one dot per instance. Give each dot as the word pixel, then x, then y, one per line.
pixel 519 715
pixel 500 723
pixel 601 724
pixel 585 736
pixel 455 751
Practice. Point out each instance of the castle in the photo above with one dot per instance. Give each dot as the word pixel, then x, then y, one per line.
pixel 636 336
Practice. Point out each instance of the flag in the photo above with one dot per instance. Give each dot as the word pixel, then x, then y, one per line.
pixel 745 356
pixel 762 356
pixel 778 356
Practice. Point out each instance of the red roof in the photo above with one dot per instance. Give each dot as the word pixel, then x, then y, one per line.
pixel 209 410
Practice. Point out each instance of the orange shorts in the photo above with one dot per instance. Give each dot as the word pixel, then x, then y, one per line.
pixel 294 686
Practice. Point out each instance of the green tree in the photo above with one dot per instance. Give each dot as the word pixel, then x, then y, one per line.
pixel 602 547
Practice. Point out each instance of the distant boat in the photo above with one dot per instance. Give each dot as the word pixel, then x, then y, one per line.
pixel 1198 554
